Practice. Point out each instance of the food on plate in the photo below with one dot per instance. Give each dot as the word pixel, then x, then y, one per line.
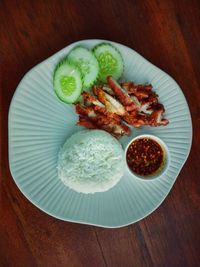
pixel 91 161
pixel 145 157
pixel 87 64
pixel 67 82
pixel 110 61
pixel 112 106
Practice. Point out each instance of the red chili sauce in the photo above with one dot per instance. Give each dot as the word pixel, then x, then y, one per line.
pixel 144 156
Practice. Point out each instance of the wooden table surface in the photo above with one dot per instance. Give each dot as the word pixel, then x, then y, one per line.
pixel 166 33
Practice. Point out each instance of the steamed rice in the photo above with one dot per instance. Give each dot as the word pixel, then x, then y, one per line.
pixel 91 161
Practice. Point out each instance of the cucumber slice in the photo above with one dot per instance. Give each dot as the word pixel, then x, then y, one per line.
pixel 110 61
pixel 67 82
pixel 86 62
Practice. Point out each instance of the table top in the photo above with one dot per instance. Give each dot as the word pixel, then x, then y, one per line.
pixel 167 34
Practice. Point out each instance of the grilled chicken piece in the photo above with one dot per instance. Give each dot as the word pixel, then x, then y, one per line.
pixel 107 113
pixel 108 90
pixel 146 105
pixel 111 104
pixel 152 98
pixel 156 117
pixel 85 111
pixel 117 130
pixel 93 117
pixel 145 108
pixel 140 91
pixel 111 125
pixel 86 122
pixel 122 96
pixel 127 85
pixel 91 100
pixel 153 116
pixel 148 87
pixel 135 119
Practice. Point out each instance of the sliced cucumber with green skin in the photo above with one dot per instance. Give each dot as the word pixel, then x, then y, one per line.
pixel 110 61
pixel 67 82
pixel 87 63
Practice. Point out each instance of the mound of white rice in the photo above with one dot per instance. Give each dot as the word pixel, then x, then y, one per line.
pixel 91 161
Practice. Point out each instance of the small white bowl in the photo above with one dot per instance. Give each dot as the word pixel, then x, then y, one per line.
pixel 166 159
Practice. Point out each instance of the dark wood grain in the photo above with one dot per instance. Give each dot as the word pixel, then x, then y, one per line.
pixel 166 33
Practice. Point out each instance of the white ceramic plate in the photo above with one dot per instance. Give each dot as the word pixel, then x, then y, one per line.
pixel 39 124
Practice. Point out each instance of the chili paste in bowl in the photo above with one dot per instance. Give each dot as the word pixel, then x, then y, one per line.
pixel 147 156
